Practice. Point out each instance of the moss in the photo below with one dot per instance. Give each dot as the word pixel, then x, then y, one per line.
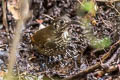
pixel 87 7
pixel 101 43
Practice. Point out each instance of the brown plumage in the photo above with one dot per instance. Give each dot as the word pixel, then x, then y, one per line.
pixel 53 39
pixel 63 36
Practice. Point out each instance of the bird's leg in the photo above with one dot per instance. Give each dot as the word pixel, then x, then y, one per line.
pixel 75 59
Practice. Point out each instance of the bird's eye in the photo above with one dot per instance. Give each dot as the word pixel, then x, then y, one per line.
pixel 61 22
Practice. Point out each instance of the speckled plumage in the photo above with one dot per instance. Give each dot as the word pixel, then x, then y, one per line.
pixel 65 36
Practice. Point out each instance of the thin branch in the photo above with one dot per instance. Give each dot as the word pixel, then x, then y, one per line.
pixel 4 6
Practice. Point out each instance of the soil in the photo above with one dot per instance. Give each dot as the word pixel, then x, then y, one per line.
pixel 31 62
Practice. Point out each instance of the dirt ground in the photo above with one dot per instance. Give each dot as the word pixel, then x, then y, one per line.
pixel 104 65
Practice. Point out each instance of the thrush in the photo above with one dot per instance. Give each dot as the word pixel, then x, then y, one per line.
pixel 63 36
pixel 53 39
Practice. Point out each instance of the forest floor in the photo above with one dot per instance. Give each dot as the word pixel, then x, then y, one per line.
pixel 105 65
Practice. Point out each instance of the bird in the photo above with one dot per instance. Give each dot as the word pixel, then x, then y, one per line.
pixel 61 37
pixel 52 39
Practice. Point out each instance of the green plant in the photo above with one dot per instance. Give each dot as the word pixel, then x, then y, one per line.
pixel 101 43
pixel 89 7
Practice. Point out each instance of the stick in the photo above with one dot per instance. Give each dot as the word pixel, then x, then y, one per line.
pixel 96 66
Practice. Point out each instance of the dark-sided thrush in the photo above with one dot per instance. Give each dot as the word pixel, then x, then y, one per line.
pixel 63 36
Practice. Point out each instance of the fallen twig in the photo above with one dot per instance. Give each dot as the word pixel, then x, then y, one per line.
pixel 48 16
pixel 92 68
pixel 112 58
pixel 110 69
